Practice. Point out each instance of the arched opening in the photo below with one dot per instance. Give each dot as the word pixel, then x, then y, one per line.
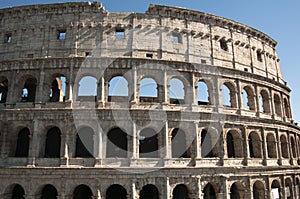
pixel 277 104
pixel 229 95
pixel 209 144
pixel 286 106
pixel 18 192
pixel 284 146
pixel 248 98
pixel 58 89
pixel 275 189
pixel 234 145
pixel 22 148
pixel 179 147
pixel 29 89
pixel 85 143
pixel 264 102
pixel 289 189
pixel 49 192
pixel 180 192
pixel 118 89
pixel 87 89
pixel 209 192
pixel 52 147
pixel 258 190
pixel 148 90
pixel 116 143
pixel 271 146
pixel 176 91
pixel 116 191
pixel 3 89
pixel 82 192
pixel 203 97
pixel 297 188
pixel 149 192
pixel 293 147
pixel 237 191
pixel 255 147
pixel 148 143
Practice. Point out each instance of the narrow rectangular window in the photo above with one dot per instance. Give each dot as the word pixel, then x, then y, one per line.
pixel 8 38
pixel 120 34
pixel 149 56
pixel 223 45
pixel 61 35
pixel 176 38
pixel 259 56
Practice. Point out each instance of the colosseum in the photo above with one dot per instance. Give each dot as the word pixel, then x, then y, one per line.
pixel 170 103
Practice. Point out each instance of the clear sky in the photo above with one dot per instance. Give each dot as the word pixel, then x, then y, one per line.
pixel 279 19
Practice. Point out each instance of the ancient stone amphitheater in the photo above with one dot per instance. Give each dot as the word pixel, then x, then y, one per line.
pixel 170 103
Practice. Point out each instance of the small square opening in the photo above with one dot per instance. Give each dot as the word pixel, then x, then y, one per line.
pixel 120 34
pixel 149 56
pixel 246 69
pixel 8 38
pixel 61 35
pixel 88 54
pixel 223 45
pixel 203 61
pixel 176 38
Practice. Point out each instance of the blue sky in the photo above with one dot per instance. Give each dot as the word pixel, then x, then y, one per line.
pixel 278 19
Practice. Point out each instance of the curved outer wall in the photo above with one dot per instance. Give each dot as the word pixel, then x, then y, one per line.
pixel 254 150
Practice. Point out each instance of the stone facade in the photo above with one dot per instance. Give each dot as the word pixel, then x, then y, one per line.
pixel 218 123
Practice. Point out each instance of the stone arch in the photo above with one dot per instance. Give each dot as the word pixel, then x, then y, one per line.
pixel 288 188
pixel 17 192
pixel 277 105
pixel 116 143
pixel 237 191
pixel 87 88
pixel 204 93
pixel 209 192
pixel 22 147
pixel 229 97
pixel 116 191
pixel 258 190
pixel 179 144
pixel 255 145
pixel 148 143
pixel 58 88
pixel 248 98
pixel 148 90
pixel 49 192
pixel 118 90
pixel 276 188
pixel 297 187
pixel 209 143
pixel 177 91
pixel 3 89
pixel 82 191
pixel 264 99
pixel 53 143
pixel 234 144
pixel 286 106
pixel 180 191
pixel 293 147
pixel 284 146
pixel 29 89
pixel 149 191
pixel 85 142
pixel 271 146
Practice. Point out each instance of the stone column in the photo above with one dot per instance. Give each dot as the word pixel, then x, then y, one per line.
pixel 168 188
pixel 239 96
pixel 39 95
pixel 134 87
pixel 245 145
pixel 135 154
pixel 168 152
pixel 166 88
pixel 198 141
pixel 100 91
pixel 264 146
pixel 279 155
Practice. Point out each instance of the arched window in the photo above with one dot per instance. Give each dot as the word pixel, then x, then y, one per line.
pixel 275 189
pixel 3 89
pixel 52 147
pixel 116 191
pixel 58 89
pixel 234 145
pixel 18 192
pixel 148 90
pixel 209 192
pixel 271 146
pixel 289 187
pixel 118 89
pixel 237 190
pixel 229 95
pixel 49 192
pixel 179 147
pixel 82 191
pixel 180 192
pixel 87 89
pixel 116 143
pixel 293 147
pixel 209 145
pixel 148 143
pixel 248 98
pixel 255 147
pixel 176 91
pixel 202 93
pixel 286 108
pixel 22 143
pixel 85 143
pixel 149 191
pixel 264 102
pixel 258 190
pixel 284 146
pixel 277 103
pixel 29 89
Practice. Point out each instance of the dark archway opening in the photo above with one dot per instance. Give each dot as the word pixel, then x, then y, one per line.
pixel 116 192
pixel 22 148
pixel 52 148
pixel 82 192
pixel 49 192
pixel 149 192
pixel 116 143
pixel 85 143
pixel 148 144
pixel 209 192
pixel 180 192
pixel 18 192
